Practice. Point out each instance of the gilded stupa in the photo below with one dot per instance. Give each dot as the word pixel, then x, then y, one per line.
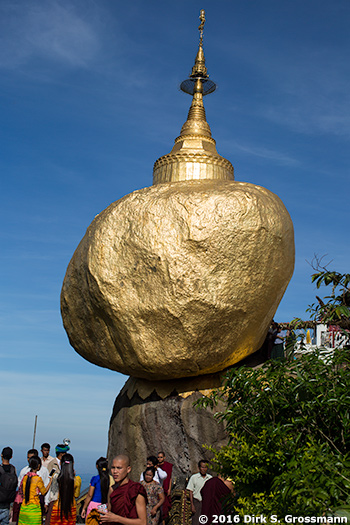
pixel 182 278
pixel 194 155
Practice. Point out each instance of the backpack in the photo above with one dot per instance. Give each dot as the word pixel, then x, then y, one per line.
pixel 8 484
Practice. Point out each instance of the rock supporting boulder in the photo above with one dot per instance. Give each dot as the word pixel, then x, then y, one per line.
pixel 164 419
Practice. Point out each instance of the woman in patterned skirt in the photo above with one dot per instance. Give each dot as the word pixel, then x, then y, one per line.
pixel 32 485
pixel 155 496
pixel 64 509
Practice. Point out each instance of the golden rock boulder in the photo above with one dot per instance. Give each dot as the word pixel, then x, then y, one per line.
pixel 179 279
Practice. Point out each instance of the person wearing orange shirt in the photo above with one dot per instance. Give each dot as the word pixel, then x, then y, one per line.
pixel 32 486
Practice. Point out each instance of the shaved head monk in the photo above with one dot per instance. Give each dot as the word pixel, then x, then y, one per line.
pixel 126 499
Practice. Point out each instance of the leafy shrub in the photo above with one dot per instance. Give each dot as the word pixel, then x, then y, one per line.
pixel 289 428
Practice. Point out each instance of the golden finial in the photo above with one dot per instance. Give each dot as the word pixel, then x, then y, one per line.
pixel 201 26
pixel 199 70
pixel 194 154
pixel 198 85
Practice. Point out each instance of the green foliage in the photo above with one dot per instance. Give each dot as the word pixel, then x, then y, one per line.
pixel 333 308
pixel 289 428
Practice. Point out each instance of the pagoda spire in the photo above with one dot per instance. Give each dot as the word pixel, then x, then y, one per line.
pixel 198 85
pixel 194 154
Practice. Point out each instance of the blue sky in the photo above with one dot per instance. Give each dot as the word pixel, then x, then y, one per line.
pixel 89 100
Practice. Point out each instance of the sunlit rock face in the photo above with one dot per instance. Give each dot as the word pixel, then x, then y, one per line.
pixel 179 279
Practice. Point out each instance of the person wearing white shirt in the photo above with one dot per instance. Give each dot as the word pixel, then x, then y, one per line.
pixel 43 472
pixel 194 486
pixel 160 474
pixel 45 458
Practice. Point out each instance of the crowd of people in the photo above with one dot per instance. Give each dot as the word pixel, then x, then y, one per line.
pixel 46 490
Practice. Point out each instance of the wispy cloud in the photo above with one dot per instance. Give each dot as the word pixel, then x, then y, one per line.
pixel 35 322
pixel 256 150
pixel 312 113
pixel 28 256
pixel 266 153
pixel 63 385
pixel 79 401
pixel 45 30
pixel 304 88
pixel 317 93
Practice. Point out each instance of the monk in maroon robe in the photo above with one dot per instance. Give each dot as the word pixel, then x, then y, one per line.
pixel 168 468
pixel 214 492
pixel 127 499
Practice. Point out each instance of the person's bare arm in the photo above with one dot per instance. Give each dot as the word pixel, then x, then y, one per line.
pixel 141 519
pixel 161 498
pixel 192 502
pixel 42 488
pixel 87 501
pixel 170 483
